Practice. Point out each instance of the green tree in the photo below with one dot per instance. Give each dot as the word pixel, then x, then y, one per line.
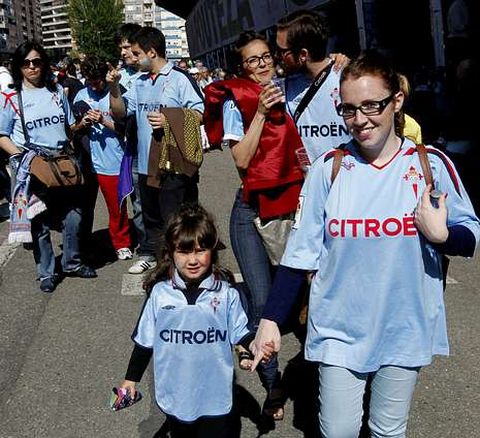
pixel 94 23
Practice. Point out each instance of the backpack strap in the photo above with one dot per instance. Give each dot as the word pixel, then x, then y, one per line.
pixel 337 161
pixel 426 168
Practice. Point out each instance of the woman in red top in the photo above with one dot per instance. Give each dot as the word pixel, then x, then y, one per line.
pixel 247 113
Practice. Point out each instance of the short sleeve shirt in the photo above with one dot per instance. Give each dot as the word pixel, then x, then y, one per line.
pixel 192 346
pixel 106 147
pixel 46 116
pixel 171 88
pixel 377 296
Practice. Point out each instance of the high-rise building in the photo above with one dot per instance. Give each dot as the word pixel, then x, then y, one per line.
pixel 19 21
pixel 146 13
pixel 57 35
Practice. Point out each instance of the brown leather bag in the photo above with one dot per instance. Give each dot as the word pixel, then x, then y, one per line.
pixel 57 170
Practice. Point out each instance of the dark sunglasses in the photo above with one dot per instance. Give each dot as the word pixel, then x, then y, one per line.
pixel 35 62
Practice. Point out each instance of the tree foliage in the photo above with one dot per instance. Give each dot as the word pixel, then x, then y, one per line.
pixel 94 23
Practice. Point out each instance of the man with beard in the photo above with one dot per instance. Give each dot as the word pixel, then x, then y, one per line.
pixel 312 82
pixel 161 84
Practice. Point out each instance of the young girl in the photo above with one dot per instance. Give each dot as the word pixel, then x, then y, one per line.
pixel 190 321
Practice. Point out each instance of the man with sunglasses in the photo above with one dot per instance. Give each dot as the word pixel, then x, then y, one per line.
pixel 312 81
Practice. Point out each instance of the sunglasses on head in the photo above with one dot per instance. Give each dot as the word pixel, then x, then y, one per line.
pixel 35 62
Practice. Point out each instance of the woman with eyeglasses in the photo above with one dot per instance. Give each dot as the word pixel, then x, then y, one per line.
pixel 35 208
pixel 375 234
pixel 246 112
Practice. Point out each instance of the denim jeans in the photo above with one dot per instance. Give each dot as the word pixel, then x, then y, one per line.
pixel 341 401
pixel 256 271
pixel 61 210
pixel 137 218
pixel 158 204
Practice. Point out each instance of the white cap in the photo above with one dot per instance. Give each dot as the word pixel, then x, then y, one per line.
pixel 193 71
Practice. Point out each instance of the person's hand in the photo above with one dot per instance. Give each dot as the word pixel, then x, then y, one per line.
pixel 268 351
pixel 339 61
pixel 113 76
pixel 86 121
pixel 129 386
pixel 269 96
pixel 156 119
pixel 95 116
pixel 431 221
pixel 268 336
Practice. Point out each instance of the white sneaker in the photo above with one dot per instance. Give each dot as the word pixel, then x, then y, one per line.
pixel 141 266
pixel 124 254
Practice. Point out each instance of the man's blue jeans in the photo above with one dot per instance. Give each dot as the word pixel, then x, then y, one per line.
pixel 256 271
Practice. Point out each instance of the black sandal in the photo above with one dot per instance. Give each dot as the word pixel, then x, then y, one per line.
pixel 244 355
pixel 273 406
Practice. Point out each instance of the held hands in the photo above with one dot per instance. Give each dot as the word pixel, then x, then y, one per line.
pixel 94 116
pixel 156 119
pixel 431 221
pixel 269 96
pixel 267 339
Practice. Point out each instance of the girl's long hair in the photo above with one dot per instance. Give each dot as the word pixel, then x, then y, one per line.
pixel 21 54
pixel 192 226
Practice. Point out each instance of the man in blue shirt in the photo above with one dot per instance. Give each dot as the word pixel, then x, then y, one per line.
pixel 161 85
pixel 302 38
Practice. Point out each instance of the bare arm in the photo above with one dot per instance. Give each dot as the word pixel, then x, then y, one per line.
pixel 8 145
pixel 117 104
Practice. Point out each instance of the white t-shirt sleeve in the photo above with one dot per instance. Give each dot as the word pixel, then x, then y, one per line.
pixel 7 115
pixel 233 127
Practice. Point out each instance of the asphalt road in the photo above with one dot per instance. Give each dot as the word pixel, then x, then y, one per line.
pixel 61 354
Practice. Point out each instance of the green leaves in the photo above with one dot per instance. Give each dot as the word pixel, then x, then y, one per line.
pixel 94 24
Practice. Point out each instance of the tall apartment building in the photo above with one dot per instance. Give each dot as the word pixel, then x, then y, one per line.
pixel 57 36
pixel 147 13
pixel 19 21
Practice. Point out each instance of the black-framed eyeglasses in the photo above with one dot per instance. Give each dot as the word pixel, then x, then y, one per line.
pixel 35 62
pixel 281 52
pixel 254 61
pixel 369 108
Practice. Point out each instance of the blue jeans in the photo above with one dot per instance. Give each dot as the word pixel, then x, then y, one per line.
pixel 256 271
pixel 341 401
pixel 63 211
pixel 137 210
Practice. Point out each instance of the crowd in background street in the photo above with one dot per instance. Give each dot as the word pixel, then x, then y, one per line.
pixel 340 225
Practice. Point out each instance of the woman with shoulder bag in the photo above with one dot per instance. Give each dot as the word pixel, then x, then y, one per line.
pixel 34 124
pixel 248 112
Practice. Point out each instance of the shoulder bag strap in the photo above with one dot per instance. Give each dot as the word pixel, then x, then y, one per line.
pixel 22 118
pixel 426 168
pixel 337 161
pixel 307 98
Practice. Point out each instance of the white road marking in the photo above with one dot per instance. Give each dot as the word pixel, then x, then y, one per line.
pixel 7 250
pixel 451 280
pixel 132 284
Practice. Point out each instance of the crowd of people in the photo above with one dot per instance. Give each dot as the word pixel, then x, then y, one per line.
pixel 327 152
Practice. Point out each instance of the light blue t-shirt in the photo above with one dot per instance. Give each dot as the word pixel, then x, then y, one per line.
pixel 106 147
pixel 192 346
pixel 172 88
pixel 377 296
pixel 128 78
pixel 233 128
pixel 47 115
pixel 319 125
